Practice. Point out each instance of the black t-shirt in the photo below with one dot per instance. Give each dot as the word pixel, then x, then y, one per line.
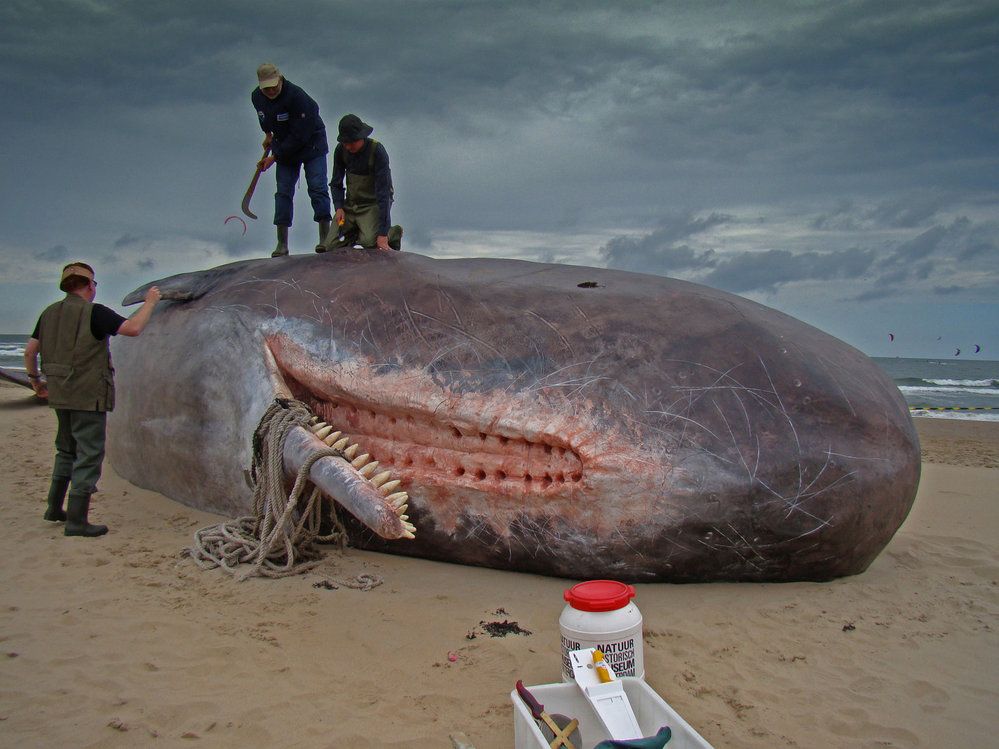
pixel 103 322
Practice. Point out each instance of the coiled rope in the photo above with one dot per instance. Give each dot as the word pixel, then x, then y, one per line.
pixel 280 537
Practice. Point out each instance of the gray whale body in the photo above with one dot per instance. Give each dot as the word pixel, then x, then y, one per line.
pixel 557 419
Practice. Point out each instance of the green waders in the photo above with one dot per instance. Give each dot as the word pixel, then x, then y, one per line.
pixel 79 456
pixel 361 215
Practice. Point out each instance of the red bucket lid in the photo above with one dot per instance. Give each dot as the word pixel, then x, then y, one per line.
pixel 599 595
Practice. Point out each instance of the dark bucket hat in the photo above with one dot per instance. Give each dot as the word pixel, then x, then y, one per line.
pixel 351 129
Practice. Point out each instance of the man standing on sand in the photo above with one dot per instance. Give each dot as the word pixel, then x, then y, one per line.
pixel 296 136
pixel 364 213
pixel 72 337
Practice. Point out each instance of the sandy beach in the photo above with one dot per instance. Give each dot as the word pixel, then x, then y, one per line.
pixel 121 641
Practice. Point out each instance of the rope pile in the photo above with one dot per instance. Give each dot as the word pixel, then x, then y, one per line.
pixel 280 537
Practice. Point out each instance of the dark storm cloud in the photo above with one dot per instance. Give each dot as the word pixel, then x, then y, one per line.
pixel 857 132
pixel 962 239
pixel 766 271
pixel 809 87
pixel 940 252
pixel 527 116
pixel 843 217
pixel 658 251
pixel 906 211
pixel 924 270
pixel 661 252
pixel 52 254
pixel 909 211
pixel 922 245
pixel 238 246
pixel 127 240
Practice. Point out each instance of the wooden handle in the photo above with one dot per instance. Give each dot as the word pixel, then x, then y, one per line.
pixel 562 735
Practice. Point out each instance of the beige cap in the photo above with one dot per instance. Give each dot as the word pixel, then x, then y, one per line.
pixel 268 75
pixel 75 269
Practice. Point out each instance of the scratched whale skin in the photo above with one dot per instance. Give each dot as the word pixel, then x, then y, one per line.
pixel 556 419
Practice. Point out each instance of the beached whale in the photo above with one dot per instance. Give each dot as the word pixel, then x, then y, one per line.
pixel 557 419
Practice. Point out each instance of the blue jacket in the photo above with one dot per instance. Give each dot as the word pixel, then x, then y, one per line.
pixel 293 117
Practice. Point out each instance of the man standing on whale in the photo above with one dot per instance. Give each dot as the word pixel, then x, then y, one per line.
pixel 72 336
pixel 296 136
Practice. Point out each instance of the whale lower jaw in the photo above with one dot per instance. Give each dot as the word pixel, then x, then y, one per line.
pixel 431 447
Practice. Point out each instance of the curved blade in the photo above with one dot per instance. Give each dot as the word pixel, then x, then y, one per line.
pixel 249 191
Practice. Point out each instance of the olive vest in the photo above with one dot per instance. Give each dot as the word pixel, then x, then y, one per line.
pixel 361 187
pixel 76 365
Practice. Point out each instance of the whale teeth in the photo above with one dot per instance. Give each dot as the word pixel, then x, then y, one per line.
pixel 360 460
pixel 390 486
pixel 400 510
pixel 408 534
pixel 332 438
pixel 313 419
pixel 397 499
pixel 409 527
pixel 324 432
pixel 351 451
pixel 318 426
pixel 403 517
pixel 340 443
pixel 381 478
pixel 369 469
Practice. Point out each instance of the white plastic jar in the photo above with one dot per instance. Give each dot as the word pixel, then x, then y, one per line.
pixel 600 614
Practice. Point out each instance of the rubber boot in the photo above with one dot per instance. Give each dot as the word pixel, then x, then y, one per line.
pixel 324 230
pixel 76 518
pixel 282 246
pixel 395 237
pixel 57 493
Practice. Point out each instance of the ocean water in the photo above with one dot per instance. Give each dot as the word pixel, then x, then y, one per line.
pixel 12 351
pixel 956 388
pixel 941 388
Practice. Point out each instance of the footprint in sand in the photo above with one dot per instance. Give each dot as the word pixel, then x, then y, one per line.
pixel 931 698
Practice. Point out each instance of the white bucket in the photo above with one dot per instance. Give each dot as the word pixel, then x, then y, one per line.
pixel 600 614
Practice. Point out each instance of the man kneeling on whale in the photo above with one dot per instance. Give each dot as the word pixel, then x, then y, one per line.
pixel 363 210
pixel 72 336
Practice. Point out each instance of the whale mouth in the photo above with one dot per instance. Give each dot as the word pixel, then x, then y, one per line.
pixel 431 446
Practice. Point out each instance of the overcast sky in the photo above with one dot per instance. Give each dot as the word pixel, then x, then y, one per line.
pixel 837 160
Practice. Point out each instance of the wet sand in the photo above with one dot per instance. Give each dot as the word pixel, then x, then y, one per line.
pixel 122 642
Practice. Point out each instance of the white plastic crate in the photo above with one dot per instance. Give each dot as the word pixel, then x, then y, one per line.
pixel 650 709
